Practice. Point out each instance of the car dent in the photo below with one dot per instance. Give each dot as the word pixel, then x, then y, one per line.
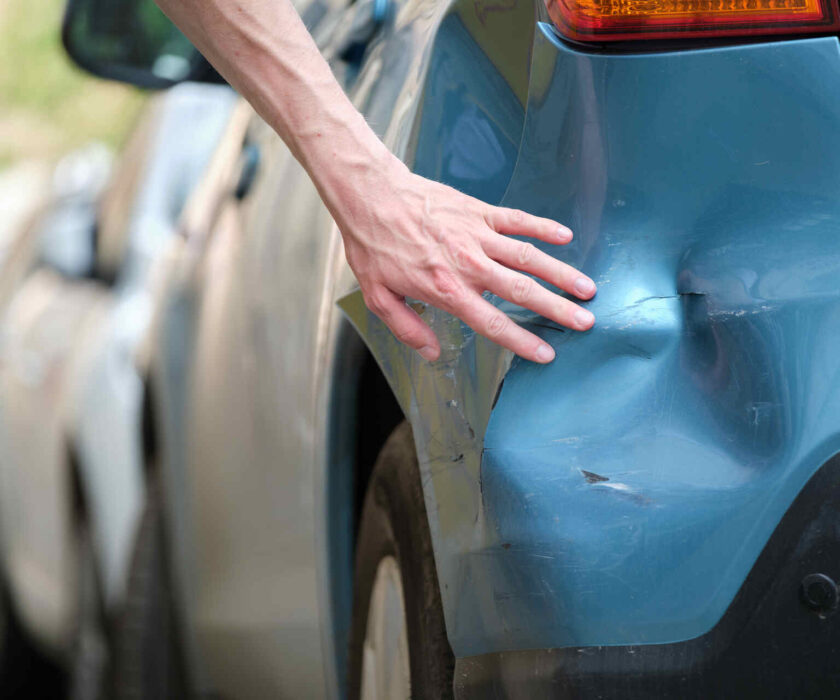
pixel 637 478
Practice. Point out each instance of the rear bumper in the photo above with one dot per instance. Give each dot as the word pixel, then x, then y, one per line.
pixel 778 638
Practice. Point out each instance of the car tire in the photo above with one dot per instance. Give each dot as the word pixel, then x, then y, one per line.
pixel 148 664
pixel 89 665
pixel 395 568
pixel 25 672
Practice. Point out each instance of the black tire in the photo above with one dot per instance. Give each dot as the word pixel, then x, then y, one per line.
pixel 25 672
pixel 89 667
pixel 148 664
pixel 394 523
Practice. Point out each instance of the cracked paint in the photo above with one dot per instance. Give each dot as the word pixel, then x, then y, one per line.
pixel 591 498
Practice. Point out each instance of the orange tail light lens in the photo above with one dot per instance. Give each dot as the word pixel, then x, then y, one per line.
pixel 625 20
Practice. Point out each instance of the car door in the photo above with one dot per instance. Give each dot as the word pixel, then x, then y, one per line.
pixel 249 433
pixel 246 306
pixel 263 265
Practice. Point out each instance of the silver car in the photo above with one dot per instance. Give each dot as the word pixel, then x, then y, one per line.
pixel 71 459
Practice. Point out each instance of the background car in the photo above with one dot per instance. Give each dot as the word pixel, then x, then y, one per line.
pixel 652 514
pixel 71 460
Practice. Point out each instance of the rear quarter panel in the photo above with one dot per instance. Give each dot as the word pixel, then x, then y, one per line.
pixel 621 494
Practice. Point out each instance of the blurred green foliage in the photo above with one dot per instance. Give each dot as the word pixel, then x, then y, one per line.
pixel 47 105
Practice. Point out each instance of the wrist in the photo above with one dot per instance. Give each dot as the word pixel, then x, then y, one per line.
pixel 353 170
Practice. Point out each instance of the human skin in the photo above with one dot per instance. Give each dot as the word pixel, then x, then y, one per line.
pixel 404 235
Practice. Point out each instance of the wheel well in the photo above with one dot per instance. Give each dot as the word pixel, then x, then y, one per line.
pixel 363 413
pixel 378 415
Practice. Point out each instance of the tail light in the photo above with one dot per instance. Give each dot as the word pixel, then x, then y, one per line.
pixel 624 20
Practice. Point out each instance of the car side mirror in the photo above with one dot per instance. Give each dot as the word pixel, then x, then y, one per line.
pixel 131 41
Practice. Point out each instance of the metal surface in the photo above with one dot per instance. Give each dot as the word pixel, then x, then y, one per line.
pixel 772 642
pixel 105 426
pixel 626 489
pixel 386 674
pixel 248 572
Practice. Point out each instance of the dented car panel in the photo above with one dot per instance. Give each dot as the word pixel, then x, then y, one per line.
pixel 622 494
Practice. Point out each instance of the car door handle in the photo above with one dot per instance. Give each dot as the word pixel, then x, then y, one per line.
pixel 249 166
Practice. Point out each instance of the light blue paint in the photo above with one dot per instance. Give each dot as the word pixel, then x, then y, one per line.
pixel 702 187
pixel 471 122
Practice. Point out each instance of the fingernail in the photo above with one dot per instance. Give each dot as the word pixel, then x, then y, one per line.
pixel 584 318
pixel 428 353
pixel 564 235
pixel 584 286
pixel 544 353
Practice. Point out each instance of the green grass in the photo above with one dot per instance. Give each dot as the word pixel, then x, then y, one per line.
pixel 47 105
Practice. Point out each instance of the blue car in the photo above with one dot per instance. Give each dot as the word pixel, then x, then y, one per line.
pixel 654 514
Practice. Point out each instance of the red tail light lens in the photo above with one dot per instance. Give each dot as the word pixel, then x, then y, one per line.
pixel 625 20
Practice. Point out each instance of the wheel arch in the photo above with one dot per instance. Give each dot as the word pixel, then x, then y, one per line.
pixel 362 413
pixel 448 404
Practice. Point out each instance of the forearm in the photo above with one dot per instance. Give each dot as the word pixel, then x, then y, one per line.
pixel 262 49
pixel 404 236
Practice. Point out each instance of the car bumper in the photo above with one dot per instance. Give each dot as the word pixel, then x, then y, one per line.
pixel 777 639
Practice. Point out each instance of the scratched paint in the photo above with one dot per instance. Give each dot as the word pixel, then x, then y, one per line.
pixel 621 494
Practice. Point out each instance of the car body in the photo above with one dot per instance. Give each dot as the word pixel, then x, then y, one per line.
pixel 69 390
pixel 56 236
pixel 637 518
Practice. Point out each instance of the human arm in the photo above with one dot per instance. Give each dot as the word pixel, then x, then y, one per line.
pixel 404 235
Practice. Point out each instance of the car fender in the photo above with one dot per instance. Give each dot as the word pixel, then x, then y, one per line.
pixel 621 494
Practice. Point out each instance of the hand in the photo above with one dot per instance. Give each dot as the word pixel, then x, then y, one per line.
pixel 406 236
pixel 403 235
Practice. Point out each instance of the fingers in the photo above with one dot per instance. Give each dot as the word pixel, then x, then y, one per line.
pixel 477 313
pixel 514 222
pixel 451 271
pixel 524 291
pixel 494 324
pixel 521 255
pixel 403 321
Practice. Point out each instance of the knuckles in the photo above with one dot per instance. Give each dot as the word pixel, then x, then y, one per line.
pixel 521 290
pixel 466 258
pixel 516 217
pixel 496 325
pixel 376 303
pixel 525 254
pixel 445 286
